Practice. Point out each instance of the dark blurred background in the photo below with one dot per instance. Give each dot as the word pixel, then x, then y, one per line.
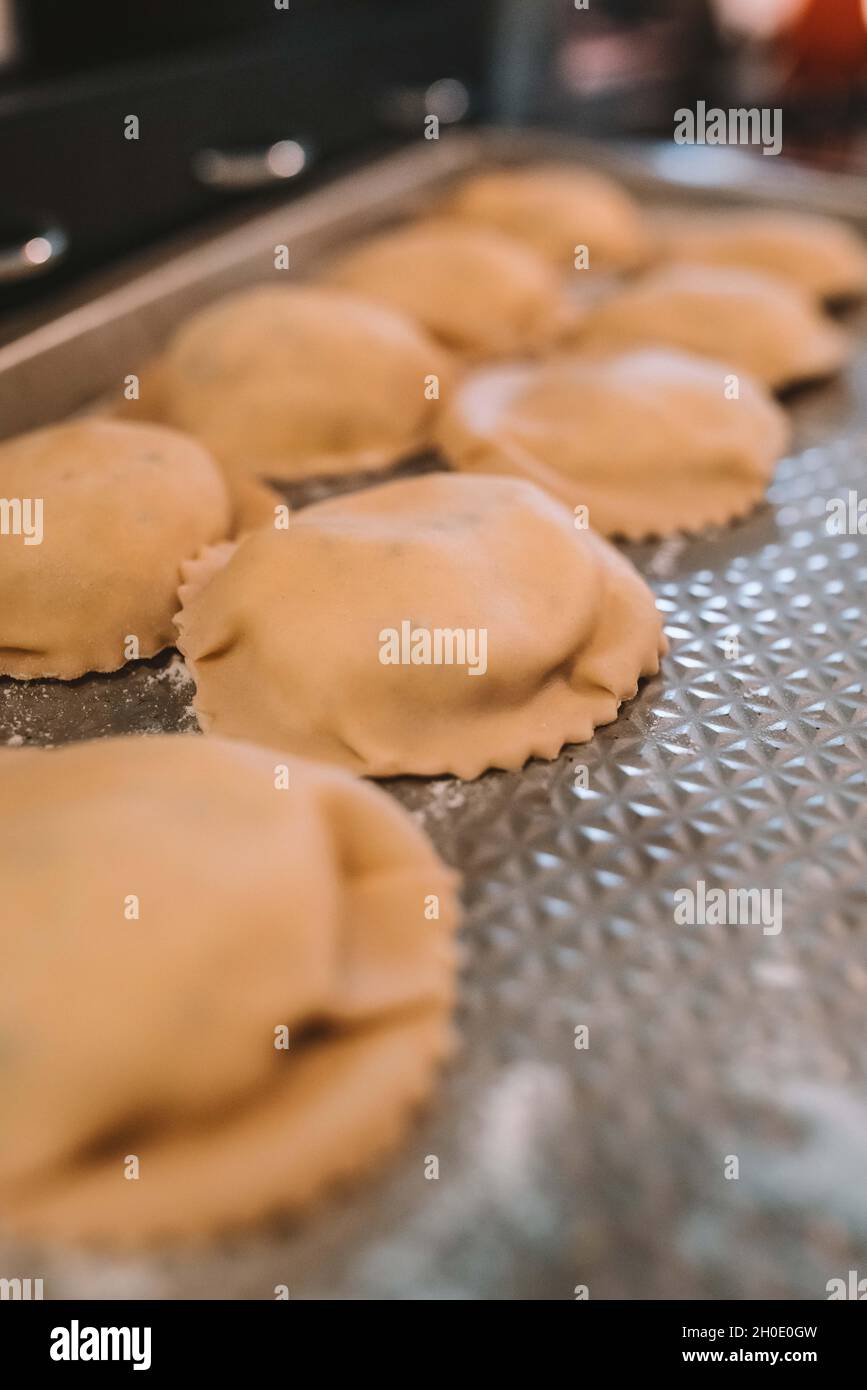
pixel 237 100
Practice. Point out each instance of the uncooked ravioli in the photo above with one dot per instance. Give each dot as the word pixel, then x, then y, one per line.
pixel 555 209
pixel 121 505
pixel 826 258
pixel 173 909
pixel 650 442
pixel 760 324
pixel 480 293
pixel 438 624
pixel 296 381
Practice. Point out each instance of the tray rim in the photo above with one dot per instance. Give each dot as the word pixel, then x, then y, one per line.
pixel 60 366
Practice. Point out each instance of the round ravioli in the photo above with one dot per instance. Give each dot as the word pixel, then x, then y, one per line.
pixel 480 293
pixel 650 442
pixel 285 383
pixel 98 516
pixel 758 323
pixel 223 988
pixel 441 624
pixel 822 256
pixel 557 210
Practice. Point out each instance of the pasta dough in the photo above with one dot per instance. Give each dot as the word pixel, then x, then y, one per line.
pixel 478 292
pixel 236 981
pixel 758 323
pixel 555 209
pixel 437 624
pixel 825 258
pixel 121 506
pixel 649 441
pixel 294 382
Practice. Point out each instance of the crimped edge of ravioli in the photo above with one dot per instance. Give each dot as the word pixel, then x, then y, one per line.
pixel 719 502
pixel 232 1155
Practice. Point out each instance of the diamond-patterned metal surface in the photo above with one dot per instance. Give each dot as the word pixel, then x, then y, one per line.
pixel 604 1166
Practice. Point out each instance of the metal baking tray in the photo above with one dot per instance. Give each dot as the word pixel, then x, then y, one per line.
pixel 602 1167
